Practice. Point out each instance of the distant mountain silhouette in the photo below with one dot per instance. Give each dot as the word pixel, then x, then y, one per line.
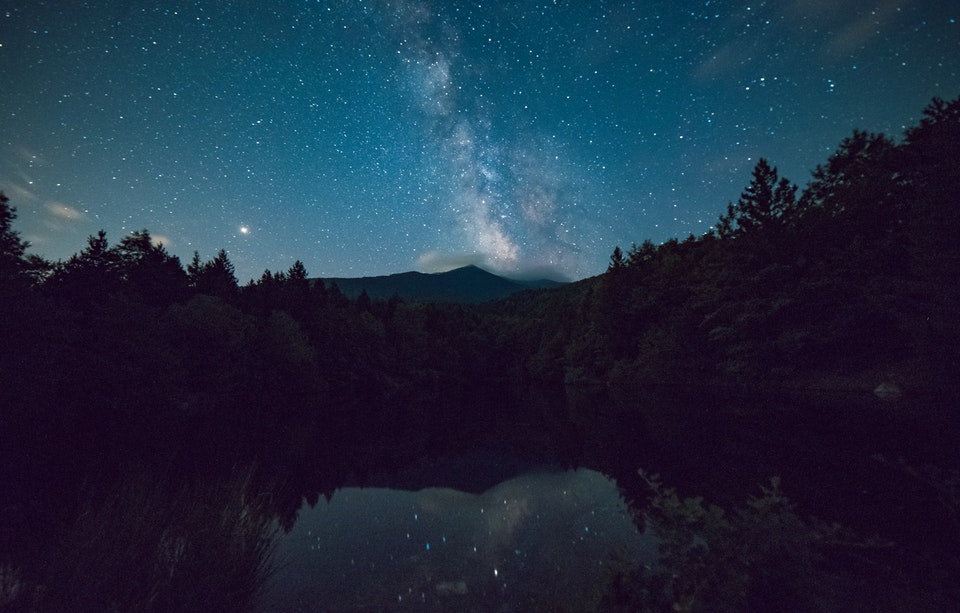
pixel 467 284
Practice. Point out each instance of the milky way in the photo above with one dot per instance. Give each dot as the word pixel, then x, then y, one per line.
pixel 372 137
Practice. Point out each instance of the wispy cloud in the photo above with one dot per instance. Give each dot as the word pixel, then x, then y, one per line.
pixel 859 31
pixel 435 261
pixel 726 61
pixel 159 239
pixel 63 212
pixel 19 193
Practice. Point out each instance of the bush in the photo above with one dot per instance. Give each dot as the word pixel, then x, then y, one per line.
pixel 760 557
pixel 134 547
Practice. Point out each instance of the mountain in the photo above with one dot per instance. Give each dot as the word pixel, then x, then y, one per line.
pixel 467 284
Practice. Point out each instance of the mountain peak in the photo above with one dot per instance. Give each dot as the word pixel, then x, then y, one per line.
pixel 469 269
pixel 470 284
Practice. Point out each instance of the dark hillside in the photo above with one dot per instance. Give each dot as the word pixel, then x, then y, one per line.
pixel 469 284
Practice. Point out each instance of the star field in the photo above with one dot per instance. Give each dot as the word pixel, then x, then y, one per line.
pixel 373 137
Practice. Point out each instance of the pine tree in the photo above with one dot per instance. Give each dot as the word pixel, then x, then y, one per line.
pixel 12 249
pixel 149 270
pixel 297 294
pixel 762 206
pixel 642 254
pixel 932 160
pixel 855 207
pixel 90 275
pixel 194 268
pixel 297 272
pixel 216 277
pixel 617 261
pixel 363 301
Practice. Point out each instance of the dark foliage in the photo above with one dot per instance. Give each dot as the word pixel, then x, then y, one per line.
pixel 850 277
pixel 130 382
pixel 12 248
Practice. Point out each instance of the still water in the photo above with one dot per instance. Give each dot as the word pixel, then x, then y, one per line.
pixel 536 540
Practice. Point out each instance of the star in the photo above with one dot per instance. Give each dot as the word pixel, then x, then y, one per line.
pixel 526 137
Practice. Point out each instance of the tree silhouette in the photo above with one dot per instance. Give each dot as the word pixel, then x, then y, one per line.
pixel 149 270
pixel 12 248
pixel 194 268
pixel 617 261
pixel 762 206
pixel 298 298
pixel 96 257
pixel 856 173
pixel 363 302
pixel 215 277
pixel 642 254
pixel 932 160
pixel 297 272
pixel 88 276
pixel 855 206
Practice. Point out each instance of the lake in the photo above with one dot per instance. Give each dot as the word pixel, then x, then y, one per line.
pixel 542 537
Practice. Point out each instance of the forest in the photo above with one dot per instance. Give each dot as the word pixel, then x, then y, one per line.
pixel 160 423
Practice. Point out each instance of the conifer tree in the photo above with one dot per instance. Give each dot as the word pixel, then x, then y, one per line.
pixel 12 248
pixel 297 272
pixel 194 269
pixel 762 206
pixel 617 261
pixel 216 277
pixel 149 270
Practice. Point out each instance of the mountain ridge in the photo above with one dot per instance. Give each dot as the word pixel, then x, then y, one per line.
pixel 469 284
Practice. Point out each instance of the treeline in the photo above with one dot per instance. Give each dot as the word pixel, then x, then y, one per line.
pixel 121 355
pixel 853 280
pixel 133 387
pixel 125 371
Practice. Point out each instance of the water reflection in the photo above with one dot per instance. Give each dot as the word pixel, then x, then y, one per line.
pixel 538 538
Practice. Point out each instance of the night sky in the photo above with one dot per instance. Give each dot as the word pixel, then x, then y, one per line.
pixel 370 137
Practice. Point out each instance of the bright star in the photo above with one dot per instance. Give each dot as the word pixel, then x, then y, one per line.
pixel 244 230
